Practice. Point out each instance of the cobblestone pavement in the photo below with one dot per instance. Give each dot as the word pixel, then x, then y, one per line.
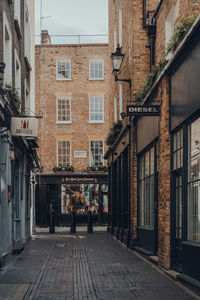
pixel 82 266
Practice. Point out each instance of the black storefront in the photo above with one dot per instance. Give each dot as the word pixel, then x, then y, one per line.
pixel 119 186
pixel 66 192
pixel 185 159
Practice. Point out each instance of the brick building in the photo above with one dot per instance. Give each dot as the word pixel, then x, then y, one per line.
pixel 154 160
pixel 17 153
pixel 72 92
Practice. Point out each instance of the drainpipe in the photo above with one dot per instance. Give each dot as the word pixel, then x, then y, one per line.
pixel 144 14
pixel 151 32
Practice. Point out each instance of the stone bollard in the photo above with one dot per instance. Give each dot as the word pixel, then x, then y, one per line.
pixel 90 225
pixel 73 223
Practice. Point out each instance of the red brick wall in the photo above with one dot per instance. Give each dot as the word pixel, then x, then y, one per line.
pixel 79 89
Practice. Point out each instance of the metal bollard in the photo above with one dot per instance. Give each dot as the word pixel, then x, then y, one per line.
pixel 73 223
pixel 52 221
pixel 90 225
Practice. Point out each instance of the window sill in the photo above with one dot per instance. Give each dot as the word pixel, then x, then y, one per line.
pixel 96 122
pixel 144 228
pixel 96 79
pixel 27 61
pixel 63 123
pixel 63 79
pixel 17 220
pixel 191 243
pixel 18 29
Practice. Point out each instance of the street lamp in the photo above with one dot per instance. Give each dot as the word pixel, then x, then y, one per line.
pixel 117 58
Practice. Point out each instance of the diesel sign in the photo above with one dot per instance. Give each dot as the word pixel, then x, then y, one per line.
pixel 143 110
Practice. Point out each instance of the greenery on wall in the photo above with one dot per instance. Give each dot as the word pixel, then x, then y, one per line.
pixel 114 132
pixel 15 95
pixel 180 31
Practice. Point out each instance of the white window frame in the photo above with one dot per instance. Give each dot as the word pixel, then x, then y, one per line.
pixel 99 61
pixel 115 109
pixel 120 24
pixel 18 84
pixel 90 154
pixel 17 11
pixel 115 38
pixel 98 98
pixel 67 99
pixel 120 100
pixel 57 142
pixel 27 99
pixel 169 26
pixel 27 33
pixel 7 51
pixel 63 61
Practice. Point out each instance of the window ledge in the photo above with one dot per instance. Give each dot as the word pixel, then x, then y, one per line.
pixel 95 78
pixel 63 123
pixel 18 29
pixel 96 122
pixel 27 61
pixel 17 220
pixel 191 243
pixel 144 228
pixel 63 79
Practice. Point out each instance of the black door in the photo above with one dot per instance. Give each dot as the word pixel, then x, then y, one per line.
pixel 178 220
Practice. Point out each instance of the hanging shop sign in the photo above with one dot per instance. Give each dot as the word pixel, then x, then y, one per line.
pixel 24 127
pixel 80 154
pixel 143 110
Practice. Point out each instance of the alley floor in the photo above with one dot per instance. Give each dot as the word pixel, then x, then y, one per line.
pixel 64 266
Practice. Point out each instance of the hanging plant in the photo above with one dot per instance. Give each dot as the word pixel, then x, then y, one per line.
pixel 114 132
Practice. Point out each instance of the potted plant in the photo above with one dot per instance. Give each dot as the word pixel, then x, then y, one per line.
pixel 63 168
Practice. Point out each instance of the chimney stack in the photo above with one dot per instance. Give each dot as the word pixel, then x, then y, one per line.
pixel 45 38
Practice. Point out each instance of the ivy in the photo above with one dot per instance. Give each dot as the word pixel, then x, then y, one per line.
pixel 15 95
pixel 114 132
pixel 149 80
pixel 180 32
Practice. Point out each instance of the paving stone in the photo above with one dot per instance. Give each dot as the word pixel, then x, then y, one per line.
pixel 85 266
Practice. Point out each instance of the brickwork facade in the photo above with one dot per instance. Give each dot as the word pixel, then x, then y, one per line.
pixel 146 28
pixel 80 131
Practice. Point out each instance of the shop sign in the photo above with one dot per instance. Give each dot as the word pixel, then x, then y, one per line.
pixel 80 154
pixel 24 127
pixel 143 110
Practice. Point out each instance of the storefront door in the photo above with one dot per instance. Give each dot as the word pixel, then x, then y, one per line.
pixel 178 219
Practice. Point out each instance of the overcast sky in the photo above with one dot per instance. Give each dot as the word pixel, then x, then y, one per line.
pixel 72 17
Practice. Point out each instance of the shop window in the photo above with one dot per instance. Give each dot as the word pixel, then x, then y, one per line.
pixel 194 181
pixel 96 69
pixel 96 109
pixel 63 70
pixel 7 43
pixel 178 150
pixel 96 153
pixel 63 153
pixel 63 110
pixel 146 188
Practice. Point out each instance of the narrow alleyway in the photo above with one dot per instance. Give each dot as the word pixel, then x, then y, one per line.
pixel 83 266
